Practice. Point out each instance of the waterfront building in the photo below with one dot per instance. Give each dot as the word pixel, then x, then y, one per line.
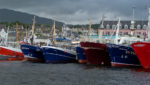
pixel 125 28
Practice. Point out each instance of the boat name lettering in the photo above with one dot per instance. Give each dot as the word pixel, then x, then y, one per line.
pixel 130 52
pixel 139 45
pixel 24 48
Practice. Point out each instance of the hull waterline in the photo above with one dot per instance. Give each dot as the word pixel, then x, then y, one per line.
pixel 122 56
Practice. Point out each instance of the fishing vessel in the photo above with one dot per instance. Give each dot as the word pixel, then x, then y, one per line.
pixel 32 52
pixel 96 53
pixel 57 54
pixel 142 49
pixel 122 56
pixel 7 52
pixel 121 53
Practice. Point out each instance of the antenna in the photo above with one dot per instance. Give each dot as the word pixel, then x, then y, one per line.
pixel 90 24
pixel 133 12
pixel 133 22
pixel 33 26
pixel 102 22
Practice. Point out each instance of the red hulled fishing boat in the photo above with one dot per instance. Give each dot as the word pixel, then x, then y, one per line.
pixel 8 53
pixel 142 50
pixel 96 53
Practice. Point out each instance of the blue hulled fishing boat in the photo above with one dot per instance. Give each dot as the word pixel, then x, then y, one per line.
pixel 122 55
pixel 32 53
pixel 58 55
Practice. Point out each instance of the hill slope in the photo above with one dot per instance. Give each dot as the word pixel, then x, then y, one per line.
pixel 7 15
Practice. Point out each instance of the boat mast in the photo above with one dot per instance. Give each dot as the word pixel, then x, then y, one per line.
pixel 33 29
pixel 17 37
pixel 117 32
pixel 6 41
pixel 26 32
pixel 100 31
pixel 54 34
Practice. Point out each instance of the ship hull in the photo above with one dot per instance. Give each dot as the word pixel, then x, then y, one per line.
pixel 32 53
pixel 142 50
pixel 57 55
pixel 8 53
pixel 122 56
pixel 96 53
pixel 81 55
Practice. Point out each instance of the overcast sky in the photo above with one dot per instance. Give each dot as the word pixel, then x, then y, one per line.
pixel 80 11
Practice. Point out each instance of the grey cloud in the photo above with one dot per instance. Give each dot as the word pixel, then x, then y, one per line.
pixel 79 11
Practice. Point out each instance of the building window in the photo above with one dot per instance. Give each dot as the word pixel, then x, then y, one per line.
pixel 120 27
pixel 132 27
pixel 126 33
pixel 120 33
pixel 138 26
pixel 101 26
pixel 107 26
pixel 103 33
pixel 114 33
pixel 113 26
pixel 125 26
pixel 107 33
pixel 144 26
pixel 138 33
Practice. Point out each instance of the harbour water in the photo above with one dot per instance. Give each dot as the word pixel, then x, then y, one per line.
pixel 26 73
